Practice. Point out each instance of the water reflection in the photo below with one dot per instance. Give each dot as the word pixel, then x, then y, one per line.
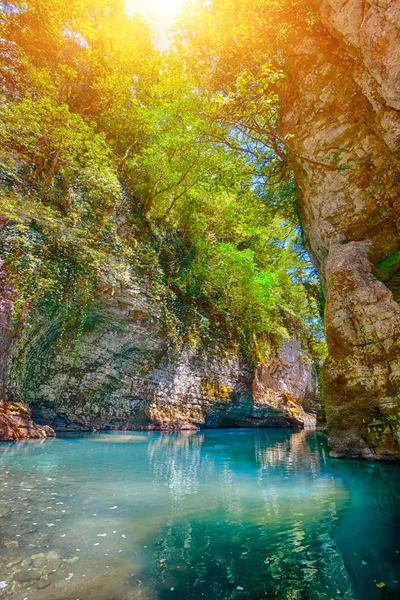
pixel 370 544
pixel 215 514
pixel 256 514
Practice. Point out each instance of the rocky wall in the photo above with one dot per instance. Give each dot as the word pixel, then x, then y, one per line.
pixel 128 375
pixel 15 419
pixel 341 120
pixel 16 424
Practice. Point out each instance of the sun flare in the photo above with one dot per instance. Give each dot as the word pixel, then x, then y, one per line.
pixel 157 8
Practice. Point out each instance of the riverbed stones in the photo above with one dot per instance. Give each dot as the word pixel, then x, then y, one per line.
pixel 27 562
pixel 14 562
pixel 71 561
pixel 47 563
pixel 11 544
pixel 43 583
pixel 37 556
pixel 27 575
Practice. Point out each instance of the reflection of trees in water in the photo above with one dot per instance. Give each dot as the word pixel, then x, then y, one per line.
pixel 265 524
pixel 290 453
pixel 306 561
pixel 16 451
pixel 174 460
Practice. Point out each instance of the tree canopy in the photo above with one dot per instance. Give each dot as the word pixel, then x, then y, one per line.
pixel 170 163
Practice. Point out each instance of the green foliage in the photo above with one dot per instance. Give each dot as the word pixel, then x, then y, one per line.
pixel 388 267
pixel 53 273
pixel 240 294
pixel 112 155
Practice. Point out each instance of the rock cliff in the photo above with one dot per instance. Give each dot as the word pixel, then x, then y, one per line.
pixel 127 374
pixel 15 419
pixel 341 118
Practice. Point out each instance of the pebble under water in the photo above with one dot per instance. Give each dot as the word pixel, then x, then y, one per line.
pixel 228 514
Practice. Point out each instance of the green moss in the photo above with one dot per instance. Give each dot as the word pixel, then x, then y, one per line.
pixel 388 267
pixel 216 391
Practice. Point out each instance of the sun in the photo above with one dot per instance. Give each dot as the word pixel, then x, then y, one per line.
pixel 160 14
pixel 158 8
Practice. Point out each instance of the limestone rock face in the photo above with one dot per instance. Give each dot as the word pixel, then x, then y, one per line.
pixel 289 382
pixel 8 329
pixel 363 372
pixel 15 419
pixel 127 375
pixel 370 30
pixel 341 104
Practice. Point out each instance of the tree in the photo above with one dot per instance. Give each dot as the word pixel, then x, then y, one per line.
pixel 113 152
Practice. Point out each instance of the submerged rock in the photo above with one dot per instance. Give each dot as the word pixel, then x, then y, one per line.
pixel 43 583
pixel 71 561
pixel 27 575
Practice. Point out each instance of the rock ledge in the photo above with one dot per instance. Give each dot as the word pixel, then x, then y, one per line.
pixel 16 424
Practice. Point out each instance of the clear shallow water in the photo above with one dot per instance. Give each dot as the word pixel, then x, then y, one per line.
pixel 215 515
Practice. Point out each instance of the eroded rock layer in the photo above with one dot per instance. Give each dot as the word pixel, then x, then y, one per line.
pixel 341 108
pixel 127 375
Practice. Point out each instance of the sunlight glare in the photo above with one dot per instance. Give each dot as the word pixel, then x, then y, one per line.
pixel 159 8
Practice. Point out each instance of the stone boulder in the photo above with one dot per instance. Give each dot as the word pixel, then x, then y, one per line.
pixel 16 424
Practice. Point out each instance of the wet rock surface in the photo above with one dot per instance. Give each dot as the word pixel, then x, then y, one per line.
pixel 288 381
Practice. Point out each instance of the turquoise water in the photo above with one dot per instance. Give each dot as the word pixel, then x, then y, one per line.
pixel 213 514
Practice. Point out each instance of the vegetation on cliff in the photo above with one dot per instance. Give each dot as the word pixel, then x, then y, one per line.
pixel 112 153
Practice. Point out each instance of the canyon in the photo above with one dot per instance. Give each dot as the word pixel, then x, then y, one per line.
pixel 340 119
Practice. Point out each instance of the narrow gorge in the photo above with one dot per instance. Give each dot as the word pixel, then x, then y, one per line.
pixel 339 99
pixel 199 299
